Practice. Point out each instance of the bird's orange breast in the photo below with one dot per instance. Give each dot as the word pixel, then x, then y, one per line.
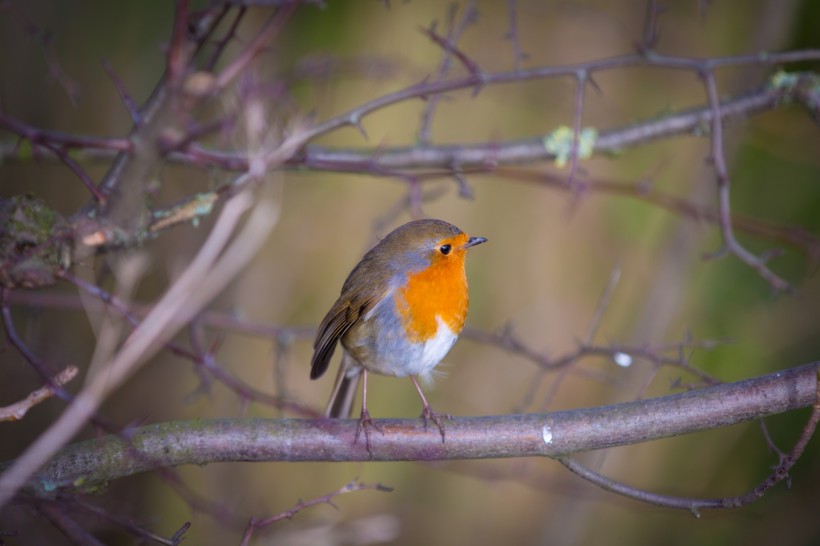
pixel 440 290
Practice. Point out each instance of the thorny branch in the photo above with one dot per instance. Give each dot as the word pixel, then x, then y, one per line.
pixel 723 183
pixel 694 505
pixel 454 33
pixel 255 525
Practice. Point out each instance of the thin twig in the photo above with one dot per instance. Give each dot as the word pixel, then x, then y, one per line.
pixel 132 528
pixel 125 97
pixel 695 505
pixel 723 184
pixel 18 410
pixel 229 36
pixel 255 524
pixel 454 32
pixel 513 34
pixel 651 27
pixel 272 27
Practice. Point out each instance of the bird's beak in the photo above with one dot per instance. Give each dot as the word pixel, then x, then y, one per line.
pixel 472 241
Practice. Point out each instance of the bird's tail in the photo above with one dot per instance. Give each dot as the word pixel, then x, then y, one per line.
pixel 340 405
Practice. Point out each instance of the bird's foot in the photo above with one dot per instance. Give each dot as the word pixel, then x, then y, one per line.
pixel 365 424
pixel 429 415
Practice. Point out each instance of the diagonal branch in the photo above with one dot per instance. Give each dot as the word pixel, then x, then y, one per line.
pixel 217 262
pixel 695 505
pixel 18 410
pixel 529 150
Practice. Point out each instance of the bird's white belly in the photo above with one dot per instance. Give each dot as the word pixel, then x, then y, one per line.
pixel 433 350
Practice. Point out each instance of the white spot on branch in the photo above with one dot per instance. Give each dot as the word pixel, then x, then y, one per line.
pixel 546 432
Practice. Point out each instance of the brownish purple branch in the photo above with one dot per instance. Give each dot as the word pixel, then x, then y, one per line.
pixel 454 32
pixel 723 184
pixel 513 34
pixel 651 27
pixel 273 26
pixel 464 156
pixel 478 79
pixel 255 525
pixel 555 434
pixel 643 190
pixel 125 97
pixel 532 149
pixel 449 46
pixel 230 35
pixel 144 535
pixel 696 505
pixel 56 514
pixel 204 359
pixel 58 139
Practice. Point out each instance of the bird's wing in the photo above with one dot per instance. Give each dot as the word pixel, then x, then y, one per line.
pixel 365 286
pixel 342 316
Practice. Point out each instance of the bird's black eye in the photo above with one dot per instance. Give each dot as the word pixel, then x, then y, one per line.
pixel 445 249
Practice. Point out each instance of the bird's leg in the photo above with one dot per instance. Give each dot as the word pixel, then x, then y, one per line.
pixel 428 414
pixel 365 422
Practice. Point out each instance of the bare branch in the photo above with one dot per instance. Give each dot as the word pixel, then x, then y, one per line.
pixel 271 29
pixel 130 104
pixel 255 524
pixel 651 27
pixel 18 410
pixel 454 32
pixel 723 183
pixel 513 36
pixel 59 518
pixel 696 505
pixel 553 434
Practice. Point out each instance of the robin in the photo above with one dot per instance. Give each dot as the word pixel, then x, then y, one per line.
pixel 400 311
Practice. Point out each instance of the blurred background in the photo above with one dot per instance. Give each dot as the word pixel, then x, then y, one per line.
pixel 549 258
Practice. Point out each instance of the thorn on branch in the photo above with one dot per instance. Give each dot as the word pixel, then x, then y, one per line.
pixel 454 32
pixel 651 27
pixel 512 34
pixel 178 50
pixel 594 84
pixel 356 121
pixel 178 537
pixel 471 66
pixel 202 24
pixel 45 40
pixel 128 102
pixel 722 252
pixel 464 189
pixel 771 254
pixel 479 86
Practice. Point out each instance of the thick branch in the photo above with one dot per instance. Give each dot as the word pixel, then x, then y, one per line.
pixel 90 463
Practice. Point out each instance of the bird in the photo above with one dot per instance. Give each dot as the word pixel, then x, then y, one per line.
pixel 399 313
